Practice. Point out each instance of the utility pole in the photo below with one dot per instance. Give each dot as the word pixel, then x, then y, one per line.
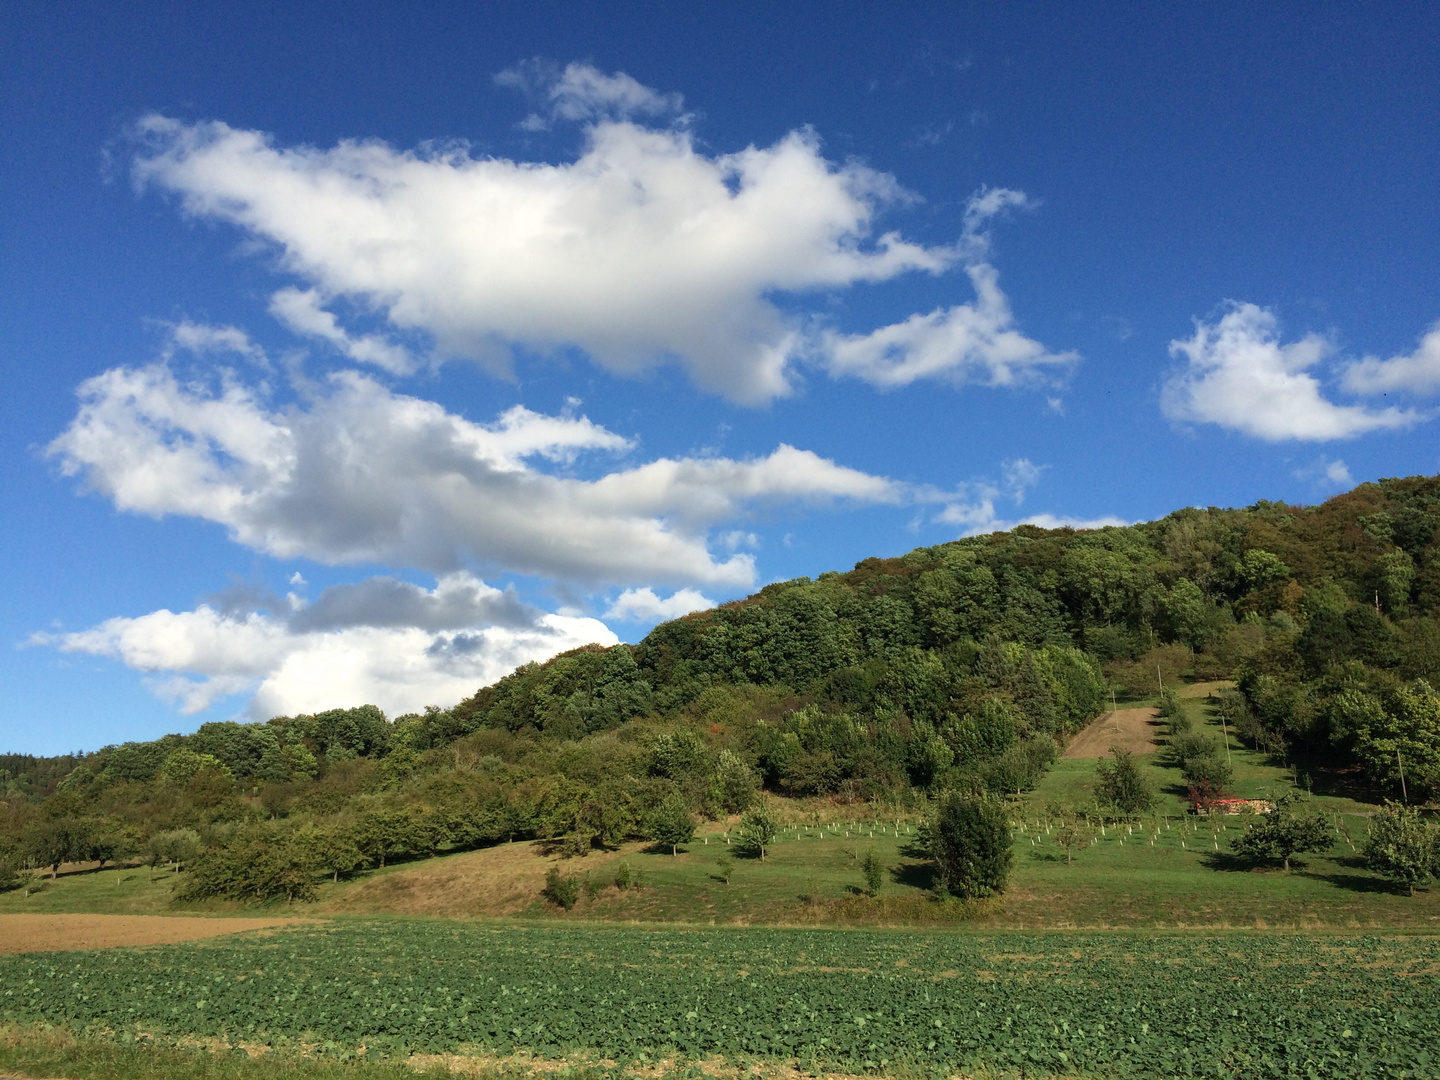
pixel 1403 797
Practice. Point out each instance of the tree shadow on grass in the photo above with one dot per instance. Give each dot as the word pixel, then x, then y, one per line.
pixel 1228 863
pixel 1357 878
pixel 1045 856
pixel 915 875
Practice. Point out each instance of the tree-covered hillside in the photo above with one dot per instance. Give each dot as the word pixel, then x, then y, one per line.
pixel 963 666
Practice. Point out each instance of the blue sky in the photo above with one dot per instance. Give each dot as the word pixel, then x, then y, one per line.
pixel 360 353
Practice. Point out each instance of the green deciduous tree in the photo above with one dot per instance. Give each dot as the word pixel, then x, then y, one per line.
pixel 1395 732
pixel 1400 846
pixel 672 823
pixel 757 829
pixel 1120 783
pixel 1071 836
pixel 1290 829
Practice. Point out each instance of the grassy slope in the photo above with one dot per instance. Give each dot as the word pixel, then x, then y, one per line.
pixel 1179 880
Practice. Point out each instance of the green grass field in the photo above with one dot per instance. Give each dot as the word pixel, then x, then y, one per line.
pixel 1169 871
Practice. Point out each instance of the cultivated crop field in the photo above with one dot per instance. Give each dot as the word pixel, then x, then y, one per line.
pixel 931 1004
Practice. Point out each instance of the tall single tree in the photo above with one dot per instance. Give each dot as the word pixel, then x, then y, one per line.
pixel 672 823
pixel 758 828
pixel 1120 783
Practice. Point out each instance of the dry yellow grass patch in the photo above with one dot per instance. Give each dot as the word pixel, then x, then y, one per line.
pixel 502 880
pixel 51 933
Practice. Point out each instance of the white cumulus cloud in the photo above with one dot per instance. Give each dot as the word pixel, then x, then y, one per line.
pixel 1240 376
pixel 645 606
pixel 386 643
pixel 1417 372
pixel 641 251
pixel 360 474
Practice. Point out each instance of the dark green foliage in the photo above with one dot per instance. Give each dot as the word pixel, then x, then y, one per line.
pixel 9 871
pixel 873 867
pixel 956 667
pixel 1401 846
pixel 1394 732
pixel 174 847
pixel 1121 785
pixel 969 841
pixel 1019 768
pixel 50 841
pixel 1289 829
pixel 1207 772
pixel 561 889
pixel 256 864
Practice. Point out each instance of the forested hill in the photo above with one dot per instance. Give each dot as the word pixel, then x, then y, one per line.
pixel 964 664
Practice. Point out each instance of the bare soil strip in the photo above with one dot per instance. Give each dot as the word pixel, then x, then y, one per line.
pixel 52 933
pixel 1129 729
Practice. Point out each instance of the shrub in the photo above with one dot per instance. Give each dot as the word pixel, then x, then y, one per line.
pixel 725 864
pixel 626 877
pixel 255 864
pixel 1185 745
pixel 1208 771
pixel 874 870
pixel 969 841
pixel 562 889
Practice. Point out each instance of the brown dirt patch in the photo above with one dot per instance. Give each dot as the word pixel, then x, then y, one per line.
pixel 51 933
pixel 1129 729
pixel 502 880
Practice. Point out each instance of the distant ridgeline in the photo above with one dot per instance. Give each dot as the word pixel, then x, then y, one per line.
pixel 961 665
